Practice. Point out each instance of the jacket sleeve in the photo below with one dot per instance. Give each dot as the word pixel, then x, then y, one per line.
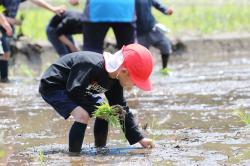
pixel 159 6
pixel 61 29
pixel 129 125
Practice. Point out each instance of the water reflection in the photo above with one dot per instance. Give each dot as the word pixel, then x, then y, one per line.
pixel 188 114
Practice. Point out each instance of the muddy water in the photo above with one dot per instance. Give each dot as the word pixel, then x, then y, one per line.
pixel 189 114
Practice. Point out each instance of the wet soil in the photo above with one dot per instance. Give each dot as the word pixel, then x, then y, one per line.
pixel 189 114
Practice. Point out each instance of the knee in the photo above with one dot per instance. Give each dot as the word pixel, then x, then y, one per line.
pixel 82 118
pixel 80 115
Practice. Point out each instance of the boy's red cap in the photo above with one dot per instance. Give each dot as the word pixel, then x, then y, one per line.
pixel 137 59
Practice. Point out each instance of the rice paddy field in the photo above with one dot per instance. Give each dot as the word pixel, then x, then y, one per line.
pixel 199 114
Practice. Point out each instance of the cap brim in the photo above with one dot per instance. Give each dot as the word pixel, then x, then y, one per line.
pixel 113 61
pixel 144 85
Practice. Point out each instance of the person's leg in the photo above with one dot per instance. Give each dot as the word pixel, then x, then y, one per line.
pixel 70 38
pixel 93 36
pixel 124 33
pixel 100 132
pixel 65 107
pixel 60 48
pixel 4 70
pixel 77 131
pixel 160 41
pixel 166 49
pixel 144 40
pixel 5 58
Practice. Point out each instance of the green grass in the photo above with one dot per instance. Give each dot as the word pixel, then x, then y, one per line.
pixel 206 17
pixel 244 117
pixel 2 9
pixel 201 17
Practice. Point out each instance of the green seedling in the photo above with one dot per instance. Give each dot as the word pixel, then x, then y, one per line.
pixel 111 114
pixel 165 71
pixel 26 71
pixel 2 153
pixel 244 117
pixel 41 157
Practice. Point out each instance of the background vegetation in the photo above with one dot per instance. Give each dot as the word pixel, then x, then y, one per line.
pixel 191 17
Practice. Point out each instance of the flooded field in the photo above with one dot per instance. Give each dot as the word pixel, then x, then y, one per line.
pixel 189 114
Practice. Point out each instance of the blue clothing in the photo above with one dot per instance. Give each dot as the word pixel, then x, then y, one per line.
pixel 11 7
pixel 109 11
pixel 100 15
pixel 148 34
pixel 145 19
pixel 5 42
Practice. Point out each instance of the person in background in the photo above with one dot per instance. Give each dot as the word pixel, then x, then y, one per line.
pixel 73 84
pixel 11 8
pixel 60 30
pixel 149 33
pixel 99 16
pixel 6 27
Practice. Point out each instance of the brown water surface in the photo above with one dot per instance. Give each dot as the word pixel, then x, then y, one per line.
pixel 189 114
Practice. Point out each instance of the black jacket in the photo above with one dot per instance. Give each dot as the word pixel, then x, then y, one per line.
pixel 69 23
pixel 83 74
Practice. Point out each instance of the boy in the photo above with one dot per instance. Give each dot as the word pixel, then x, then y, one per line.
pixel 148 33
pixel 72 84
pixel 60 30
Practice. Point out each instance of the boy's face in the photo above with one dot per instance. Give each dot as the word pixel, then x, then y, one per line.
pixel 125 79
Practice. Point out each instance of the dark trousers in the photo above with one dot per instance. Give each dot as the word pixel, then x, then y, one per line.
pixel 94 35
pixel 60 48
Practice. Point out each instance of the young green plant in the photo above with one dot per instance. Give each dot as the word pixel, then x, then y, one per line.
pixel 244 117
pixel 111 114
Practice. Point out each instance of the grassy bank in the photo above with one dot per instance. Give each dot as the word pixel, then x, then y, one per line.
pixel 207 17
pixel 193 17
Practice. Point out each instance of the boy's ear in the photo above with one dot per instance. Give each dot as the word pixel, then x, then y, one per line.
pixel 124 70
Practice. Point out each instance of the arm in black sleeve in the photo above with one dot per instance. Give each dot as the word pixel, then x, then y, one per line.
pixel 62 27
pixel 159 6
pixel 129 126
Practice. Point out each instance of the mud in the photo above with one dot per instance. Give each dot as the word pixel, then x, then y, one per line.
pixel 220 44
pixel 189 114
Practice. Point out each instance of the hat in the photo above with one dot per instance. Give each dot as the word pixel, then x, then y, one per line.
pixel 137 59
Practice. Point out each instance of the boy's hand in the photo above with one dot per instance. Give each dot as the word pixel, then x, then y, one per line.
pixel 169 11
pixel 120 111
pixel 147 143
